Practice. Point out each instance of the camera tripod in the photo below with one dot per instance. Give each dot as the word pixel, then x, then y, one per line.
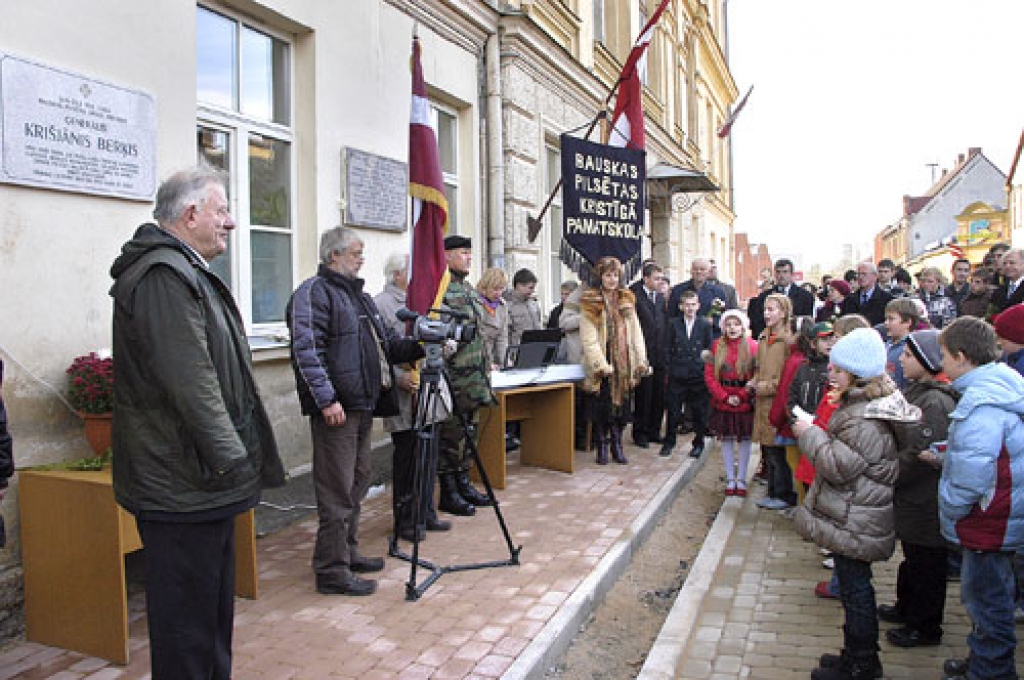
pixel 427 444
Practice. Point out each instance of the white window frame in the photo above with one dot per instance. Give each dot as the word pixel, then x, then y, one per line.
pixel 239 126
pixel 450 178
pixel 557 271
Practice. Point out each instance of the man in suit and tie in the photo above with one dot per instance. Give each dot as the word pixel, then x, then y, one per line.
pixel 869 300
pixel 803 301
pixel 689 336
pixel 1011 292
pixel 649 398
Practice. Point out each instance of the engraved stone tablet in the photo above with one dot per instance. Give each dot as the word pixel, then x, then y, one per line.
pixel 62 130
pixel 376 190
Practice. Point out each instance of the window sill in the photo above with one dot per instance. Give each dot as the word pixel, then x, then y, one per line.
pixel 270 347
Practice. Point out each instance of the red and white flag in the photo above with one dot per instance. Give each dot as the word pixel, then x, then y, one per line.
pixel 628 117
pixel 428 272
pixel 726 128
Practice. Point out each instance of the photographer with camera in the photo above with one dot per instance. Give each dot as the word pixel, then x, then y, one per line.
pixel 342 353
pixel 470 385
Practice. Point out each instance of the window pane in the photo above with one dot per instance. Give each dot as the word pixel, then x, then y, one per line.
pixel 215 59
pixel 447 142
pixel 213 147
pixel 451 193
pixel 271 275
pixel 264 87
pixel 269 170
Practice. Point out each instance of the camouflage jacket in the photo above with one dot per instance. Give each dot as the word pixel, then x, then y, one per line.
pixel 467 368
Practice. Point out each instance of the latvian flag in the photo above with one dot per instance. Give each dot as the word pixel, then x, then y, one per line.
pixel 428 273
pixel 628 117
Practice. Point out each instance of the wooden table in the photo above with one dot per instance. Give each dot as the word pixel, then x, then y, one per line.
pixel 73 539
pixel 546 413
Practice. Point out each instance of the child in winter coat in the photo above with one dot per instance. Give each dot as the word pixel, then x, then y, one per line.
pixel 849 507
pixel 732 413
pixel 772 351
pixel 802 385
pixel 921 578
pixel 981 492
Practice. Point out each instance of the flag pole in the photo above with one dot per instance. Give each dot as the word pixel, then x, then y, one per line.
pixel 534 223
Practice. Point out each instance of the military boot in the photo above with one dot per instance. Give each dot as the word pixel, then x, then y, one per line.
pixel 452 501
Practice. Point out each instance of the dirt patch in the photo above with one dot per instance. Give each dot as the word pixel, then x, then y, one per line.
pixel 615 640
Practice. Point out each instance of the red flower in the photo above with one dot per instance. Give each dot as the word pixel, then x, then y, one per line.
pixel 91 384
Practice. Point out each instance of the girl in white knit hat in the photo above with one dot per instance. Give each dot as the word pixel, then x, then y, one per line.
pixel 732 409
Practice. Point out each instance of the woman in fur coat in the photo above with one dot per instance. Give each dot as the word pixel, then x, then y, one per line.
pixel 614 357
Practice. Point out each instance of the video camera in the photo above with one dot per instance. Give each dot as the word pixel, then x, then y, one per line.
pixel 450 326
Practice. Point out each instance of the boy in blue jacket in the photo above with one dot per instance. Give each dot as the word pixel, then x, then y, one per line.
pixel 981 492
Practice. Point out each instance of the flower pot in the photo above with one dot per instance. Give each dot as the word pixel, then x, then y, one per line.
pixel 98 430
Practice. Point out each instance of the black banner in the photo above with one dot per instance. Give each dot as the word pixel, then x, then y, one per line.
pixel 603 205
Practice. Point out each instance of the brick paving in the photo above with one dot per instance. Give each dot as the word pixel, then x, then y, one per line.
pixel 471 624
pixel 747 610
pixel 758 617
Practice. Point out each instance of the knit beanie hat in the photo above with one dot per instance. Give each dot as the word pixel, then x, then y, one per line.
pixel 735 314
pixel 1010 324
pixel 842 286
pixel 861 353
pixel 822 329
pixel 924 345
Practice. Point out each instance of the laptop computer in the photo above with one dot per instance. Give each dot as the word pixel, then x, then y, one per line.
pixel 537 348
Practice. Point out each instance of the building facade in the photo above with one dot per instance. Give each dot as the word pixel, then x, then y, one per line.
pixel 306 106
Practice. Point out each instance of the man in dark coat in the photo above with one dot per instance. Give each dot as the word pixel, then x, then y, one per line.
pixel 1011 292
pixel 869 300
pixel 192 443
pixel 689 336
pixel 341 353
pixel 803 301
pixel 6 454
pixel 649 397
pixel 707 292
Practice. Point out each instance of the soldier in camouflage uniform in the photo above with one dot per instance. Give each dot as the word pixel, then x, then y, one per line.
pixel 470 386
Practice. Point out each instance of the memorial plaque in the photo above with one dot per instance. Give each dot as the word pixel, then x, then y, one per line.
pixel 62 130
pixel 376 190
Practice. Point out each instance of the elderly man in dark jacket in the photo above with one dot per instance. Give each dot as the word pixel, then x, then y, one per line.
pixel 341 354
pixel 192 443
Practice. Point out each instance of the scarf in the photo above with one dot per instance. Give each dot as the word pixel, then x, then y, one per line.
pixel 618 349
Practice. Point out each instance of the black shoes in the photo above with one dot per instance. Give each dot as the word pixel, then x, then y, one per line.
pixel 366 565
pixel 847 666
pixel 909 637
pixel 345 585
pixel 955 669
pixel 451 501
pixel 666 450
pixel 889 613
pixel 407 534
pixel 697 450
pixel 642 442
pixel 469 493
pixel 435 524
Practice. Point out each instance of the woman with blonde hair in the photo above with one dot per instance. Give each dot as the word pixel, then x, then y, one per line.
pixel 772 352
pixel 493 325
pixel 940 309
pixel 614 356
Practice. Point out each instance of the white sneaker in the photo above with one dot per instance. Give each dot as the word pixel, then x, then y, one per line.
pixel 829 563
pixel 772 504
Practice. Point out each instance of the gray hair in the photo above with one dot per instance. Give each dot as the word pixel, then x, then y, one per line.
pixel 871 267
pixel 183 189
pixel 396 262
pixel 336 240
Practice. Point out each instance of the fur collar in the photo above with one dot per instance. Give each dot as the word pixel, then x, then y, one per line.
pixel 592 303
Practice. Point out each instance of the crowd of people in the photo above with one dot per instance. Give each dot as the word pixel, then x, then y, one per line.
pixel 882 411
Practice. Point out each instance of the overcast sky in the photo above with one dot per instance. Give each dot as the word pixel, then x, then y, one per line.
pixel 853 99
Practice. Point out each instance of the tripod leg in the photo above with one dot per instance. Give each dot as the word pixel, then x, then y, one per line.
pixel 467 430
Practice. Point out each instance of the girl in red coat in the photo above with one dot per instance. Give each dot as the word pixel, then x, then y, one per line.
pixel 732 410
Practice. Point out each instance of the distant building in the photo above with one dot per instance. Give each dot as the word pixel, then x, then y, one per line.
pixel 752 259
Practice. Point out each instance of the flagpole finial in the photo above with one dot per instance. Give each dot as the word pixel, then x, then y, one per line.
pixel 415 29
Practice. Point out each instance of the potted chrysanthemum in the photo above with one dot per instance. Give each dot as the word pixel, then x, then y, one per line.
pixel 91 393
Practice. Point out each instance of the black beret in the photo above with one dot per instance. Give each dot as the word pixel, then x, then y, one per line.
pixel 455 241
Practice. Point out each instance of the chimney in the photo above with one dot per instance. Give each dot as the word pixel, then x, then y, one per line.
pixel 973 151
pixel 960 159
